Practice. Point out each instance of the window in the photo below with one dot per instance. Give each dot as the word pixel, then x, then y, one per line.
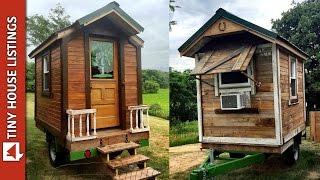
pixel 293 78
pixel 46 72
pixel 102 60
pixel 233 79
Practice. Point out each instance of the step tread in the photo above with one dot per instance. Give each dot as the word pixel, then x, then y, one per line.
pixel 121 162
pixel 117 147
pixel 141 174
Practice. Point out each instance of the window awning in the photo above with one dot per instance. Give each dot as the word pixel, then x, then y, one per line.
pixel 230 60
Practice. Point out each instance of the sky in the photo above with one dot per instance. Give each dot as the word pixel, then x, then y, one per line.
pixel 194 13
pixel 150 14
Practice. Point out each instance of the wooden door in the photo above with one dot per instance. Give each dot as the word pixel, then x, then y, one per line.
pixel 104 82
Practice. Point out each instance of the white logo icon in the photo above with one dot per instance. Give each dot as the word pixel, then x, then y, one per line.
pixel 11 151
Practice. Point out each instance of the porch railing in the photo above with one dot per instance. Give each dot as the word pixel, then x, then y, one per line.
pixel 83 113
pixel 141 120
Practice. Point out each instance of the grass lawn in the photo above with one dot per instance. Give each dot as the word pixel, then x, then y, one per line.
pixel 161 98
pixel 38 165
pixel 184 133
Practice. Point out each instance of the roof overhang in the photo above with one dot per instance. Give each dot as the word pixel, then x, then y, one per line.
pixel 200 37
pixel 111 11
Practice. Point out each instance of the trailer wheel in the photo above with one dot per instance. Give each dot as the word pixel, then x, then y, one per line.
pixel 236 155
pixel 56 155
pixel 292 154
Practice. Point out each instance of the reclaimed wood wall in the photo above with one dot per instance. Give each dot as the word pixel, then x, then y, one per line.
pixel 292 115
pixel 48 108
pixel 314 125
pixel 260 125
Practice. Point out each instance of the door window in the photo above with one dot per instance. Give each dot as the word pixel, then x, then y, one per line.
pixel 101 53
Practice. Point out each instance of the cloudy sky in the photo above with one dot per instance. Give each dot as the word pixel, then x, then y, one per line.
pixel 194 13
pixel 151 14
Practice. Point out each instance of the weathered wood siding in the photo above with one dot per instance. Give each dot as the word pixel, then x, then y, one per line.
pixel 292 115
pixel 260 125
pixel 48 109
pixel 130 78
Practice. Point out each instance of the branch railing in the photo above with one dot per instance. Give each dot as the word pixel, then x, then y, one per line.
pixel 83 113
pixel 141 120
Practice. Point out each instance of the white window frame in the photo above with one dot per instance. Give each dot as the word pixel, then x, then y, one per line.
pixel 293 76
pixel 46 70
pixel 235 85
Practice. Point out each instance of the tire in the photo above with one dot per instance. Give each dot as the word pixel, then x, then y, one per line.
pixel 57 154
pixel 292 154
pixel 236 155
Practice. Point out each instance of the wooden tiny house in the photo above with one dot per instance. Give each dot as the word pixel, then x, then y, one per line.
pixel 88 85
pixel 250 84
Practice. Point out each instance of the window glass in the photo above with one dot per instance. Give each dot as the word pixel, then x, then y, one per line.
pixel 46 72
pixel 101 60
pixel 233 77
pixel 293 75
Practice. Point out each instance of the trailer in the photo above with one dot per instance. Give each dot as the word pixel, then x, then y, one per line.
pixel 250 88
pixel 88 97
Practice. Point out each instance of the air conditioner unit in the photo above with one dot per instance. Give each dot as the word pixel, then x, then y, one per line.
pixel 233 101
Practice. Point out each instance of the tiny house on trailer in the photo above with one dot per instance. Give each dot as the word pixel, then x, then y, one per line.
pixel 250 86
pixel 88 97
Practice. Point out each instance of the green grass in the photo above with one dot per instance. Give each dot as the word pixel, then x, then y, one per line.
pixel 184 133
pixel 161 98
pixel 38 165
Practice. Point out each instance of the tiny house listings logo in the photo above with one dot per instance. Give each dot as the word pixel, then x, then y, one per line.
pixel 11 151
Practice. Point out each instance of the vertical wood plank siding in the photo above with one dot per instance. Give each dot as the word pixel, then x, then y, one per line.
pixel 130 78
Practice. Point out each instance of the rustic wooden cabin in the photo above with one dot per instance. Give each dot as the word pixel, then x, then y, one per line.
pixel 88 90
pixel 250 85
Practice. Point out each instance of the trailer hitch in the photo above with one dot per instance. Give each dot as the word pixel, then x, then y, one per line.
pixel 222 165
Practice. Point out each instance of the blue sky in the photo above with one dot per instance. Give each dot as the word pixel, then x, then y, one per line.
pixel 194 13
pixel 151 14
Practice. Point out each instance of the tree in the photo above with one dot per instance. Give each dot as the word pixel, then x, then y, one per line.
pixel 39 27
pixel 172 9
pixel 161 77
pixel 183 97
pixel 150 87
pixel 300 25
pixel 30 77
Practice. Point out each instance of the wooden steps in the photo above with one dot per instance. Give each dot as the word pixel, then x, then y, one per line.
pixel 146 173
pixel 134 159
pixel 117 147
pixel 133 166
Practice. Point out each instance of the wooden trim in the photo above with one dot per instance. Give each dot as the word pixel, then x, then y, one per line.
pixel 139 75
pixel 199 108
pixel 240 111
pixel 47 92
pixel 304 93
pixel 122 93
pixel 240 140
pixel 279 93
pixel 64 87
pixel 275 70
pixel 293 133
pixel 86 38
